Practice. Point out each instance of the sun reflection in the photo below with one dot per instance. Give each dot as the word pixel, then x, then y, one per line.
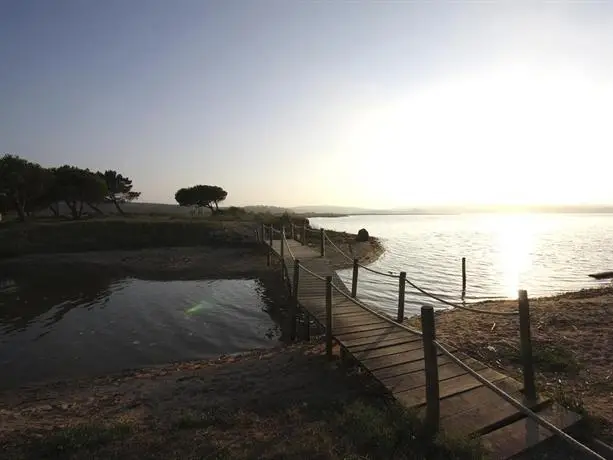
pixel 515 242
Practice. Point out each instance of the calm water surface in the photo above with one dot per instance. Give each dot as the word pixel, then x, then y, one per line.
pixel 54 327
pixel 542 253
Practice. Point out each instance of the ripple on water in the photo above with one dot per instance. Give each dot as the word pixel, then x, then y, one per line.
pixel 542 253
pixel 52 328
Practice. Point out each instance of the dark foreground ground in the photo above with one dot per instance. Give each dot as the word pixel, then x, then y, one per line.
pixel 290 403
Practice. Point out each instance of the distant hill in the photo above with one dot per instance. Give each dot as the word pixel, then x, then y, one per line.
pixel 331 210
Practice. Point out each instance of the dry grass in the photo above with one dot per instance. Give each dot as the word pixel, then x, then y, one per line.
pixel 572 341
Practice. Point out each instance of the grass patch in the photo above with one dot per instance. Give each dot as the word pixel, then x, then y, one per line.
pixel 208 418
pixel 69 440
pixel 392 432
pixel 552 358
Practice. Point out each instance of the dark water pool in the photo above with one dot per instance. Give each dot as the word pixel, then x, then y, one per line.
pixel 55 327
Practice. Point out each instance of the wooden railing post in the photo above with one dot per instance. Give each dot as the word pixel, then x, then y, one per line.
pixel 402 281
pixel 329 317
pixel 463 276
pixel 263 230
pixel 354 279
pixel 322 245
pixel 294 305
pixel 304 234
pixel 282 252
pixel 526 346
pixel 431 368
pixel 292 231
pixel 270 235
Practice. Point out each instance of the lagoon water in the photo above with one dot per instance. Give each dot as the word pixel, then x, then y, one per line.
pixel 542 253
pixel 69 326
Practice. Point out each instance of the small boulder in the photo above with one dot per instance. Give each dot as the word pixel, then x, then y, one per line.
pixel 362 235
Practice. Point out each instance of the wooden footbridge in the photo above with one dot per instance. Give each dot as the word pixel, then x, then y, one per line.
pixel 453 392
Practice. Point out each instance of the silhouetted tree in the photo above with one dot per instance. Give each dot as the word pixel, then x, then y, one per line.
pixel 201 196
pixel 119 189
pixel 77 187
pixel 22 183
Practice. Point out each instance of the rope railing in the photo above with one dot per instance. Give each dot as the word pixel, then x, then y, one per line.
pixel 518 405
pixel 377 272
pixel 461 307
pixel 339 250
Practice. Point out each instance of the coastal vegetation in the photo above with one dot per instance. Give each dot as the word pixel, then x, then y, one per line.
pixel 27 187
pixel 200 196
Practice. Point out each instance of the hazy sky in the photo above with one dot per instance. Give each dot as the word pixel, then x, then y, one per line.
pixel 373 104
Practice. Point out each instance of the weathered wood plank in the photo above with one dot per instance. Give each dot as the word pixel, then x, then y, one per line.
pixel 404 382
pixel 491 410
pixel 346 329
pixel 388 361
pixel 383 343
pixel 350 342
pixel 417 396
pixel 381 333
pixel 387 350
pixel 523 434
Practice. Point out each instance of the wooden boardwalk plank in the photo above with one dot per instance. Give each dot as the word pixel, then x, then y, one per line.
pixel 417 396
pixel 350 342
pixel 524 434
pixel 394 356
pixel 373 364
pixel 380 333
pixel 404 382
pixel 383 343
pixel 387 350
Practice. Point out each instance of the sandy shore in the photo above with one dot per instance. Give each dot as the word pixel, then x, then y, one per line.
pixel 572 340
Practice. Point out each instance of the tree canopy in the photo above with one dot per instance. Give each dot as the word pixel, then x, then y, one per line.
pixel 22 183
pixel 78 186
pixel 119 189
pixel 201 196
pixel 27 187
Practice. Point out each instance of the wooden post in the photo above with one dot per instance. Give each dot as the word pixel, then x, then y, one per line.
pixel 463 276
pixel 263 231
pixel 270 236
pixel 322 245
pixel 401 287
pixel 304 234
pixel 431 368
pixel 292 231
pixel 329 317
pixel 294 306
pixel 354 279
pixel 526 346
pixel 282 240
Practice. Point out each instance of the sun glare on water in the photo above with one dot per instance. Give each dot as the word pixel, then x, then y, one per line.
pixel 515 240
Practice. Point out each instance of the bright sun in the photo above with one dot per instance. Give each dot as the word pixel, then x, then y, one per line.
pixel 509 136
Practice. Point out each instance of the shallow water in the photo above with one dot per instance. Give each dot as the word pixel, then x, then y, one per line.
pixel 542 253
pixel 66 326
